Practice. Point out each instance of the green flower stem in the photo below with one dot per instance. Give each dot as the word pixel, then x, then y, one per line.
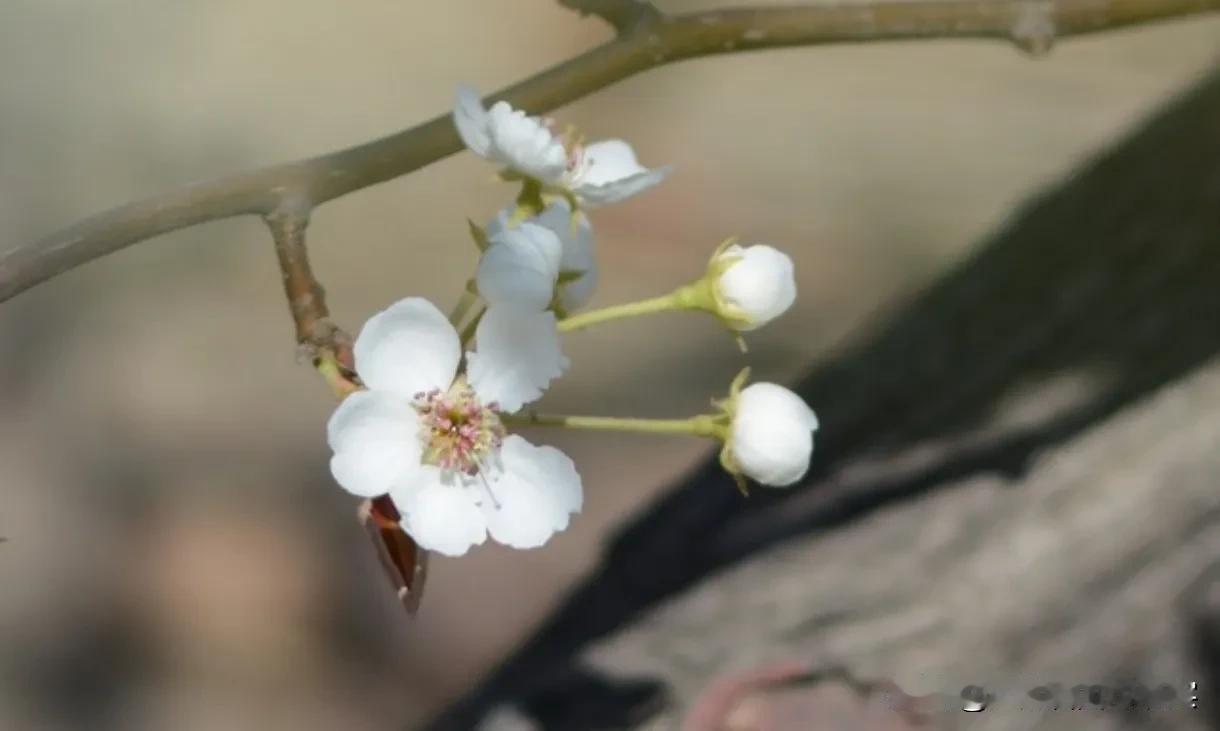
pixel 703 425
pixel 529 202
pixel 696 296
pixel 617 312
pixel 328 366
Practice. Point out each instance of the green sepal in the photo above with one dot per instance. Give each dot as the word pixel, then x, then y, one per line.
pixel 729 463
pixel 732 317
pixel 728 408
pixel 530 202
pixel 478 235
pixel 567 276
pixel 697 296
pixel 576 212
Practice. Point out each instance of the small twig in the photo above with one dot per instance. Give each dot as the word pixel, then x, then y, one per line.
pixel 1031 24
pixel 330 350
pixel 318 338
pixel 626 16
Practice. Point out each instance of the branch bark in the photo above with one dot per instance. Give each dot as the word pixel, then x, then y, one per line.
pixel 1031 24
pixel 315 332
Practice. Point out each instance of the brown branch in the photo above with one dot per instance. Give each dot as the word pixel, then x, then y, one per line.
pixel 1032 24
pixel 317 337
pixel 330 350
pixel 626 16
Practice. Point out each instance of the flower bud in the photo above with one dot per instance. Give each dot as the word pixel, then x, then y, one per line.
pixel 752 285
pixel 520 267
pixel 771 435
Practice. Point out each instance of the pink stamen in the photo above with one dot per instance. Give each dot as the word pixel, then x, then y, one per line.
pixel 458 431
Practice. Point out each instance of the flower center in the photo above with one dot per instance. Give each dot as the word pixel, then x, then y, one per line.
pixel 574 144
pixel 458 431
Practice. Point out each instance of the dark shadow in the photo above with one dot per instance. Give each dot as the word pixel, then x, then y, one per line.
pixel 1114 272
pixel 1201 610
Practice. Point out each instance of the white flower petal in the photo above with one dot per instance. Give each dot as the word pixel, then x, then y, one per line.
pixel 578 252
pixel 577 244
pixel 772 434
pixel 471 120
pixel 534 495
pixel 524 144
pixel 407 348
pixel 610 173
pixel 376 444
pixel 520 266
pixel 577 293
pixel 499 222
pixel 761 284
pixel 607 161
pixel 557 218
pixel 771 453
pixel 442 516
pixel 517 356
pixel 621 189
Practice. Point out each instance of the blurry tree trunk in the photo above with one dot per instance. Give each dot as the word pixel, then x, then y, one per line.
pixel 1017 482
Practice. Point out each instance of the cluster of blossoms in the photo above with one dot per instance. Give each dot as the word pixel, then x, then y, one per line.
pixel 431 426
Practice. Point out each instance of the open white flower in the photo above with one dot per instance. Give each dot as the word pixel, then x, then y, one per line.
pixel 432 438
pixel 753 285
pixel 608 172
pixel 771 434
pixel 522 269
pixel 508 137
pixel 595 174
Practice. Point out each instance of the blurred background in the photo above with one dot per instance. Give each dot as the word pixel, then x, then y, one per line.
pixel 177 555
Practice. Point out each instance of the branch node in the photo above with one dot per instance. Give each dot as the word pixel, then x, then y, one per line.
pixel 316 335
pixel 1033 27
pixel 627 16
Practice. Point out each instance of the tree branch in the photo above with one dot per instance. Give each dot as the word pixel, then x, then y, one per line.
pixel 625 15
pixel 1032 24
pixel 317 337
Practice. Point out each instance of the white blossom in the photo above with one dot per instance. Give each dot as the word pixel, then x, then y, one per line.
pixel 520 266
pixel 754 284
pixel 432 438
pixel 508 137
pixel 771 436
pixel 576 275
pixel 608 172
pixel 594 174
